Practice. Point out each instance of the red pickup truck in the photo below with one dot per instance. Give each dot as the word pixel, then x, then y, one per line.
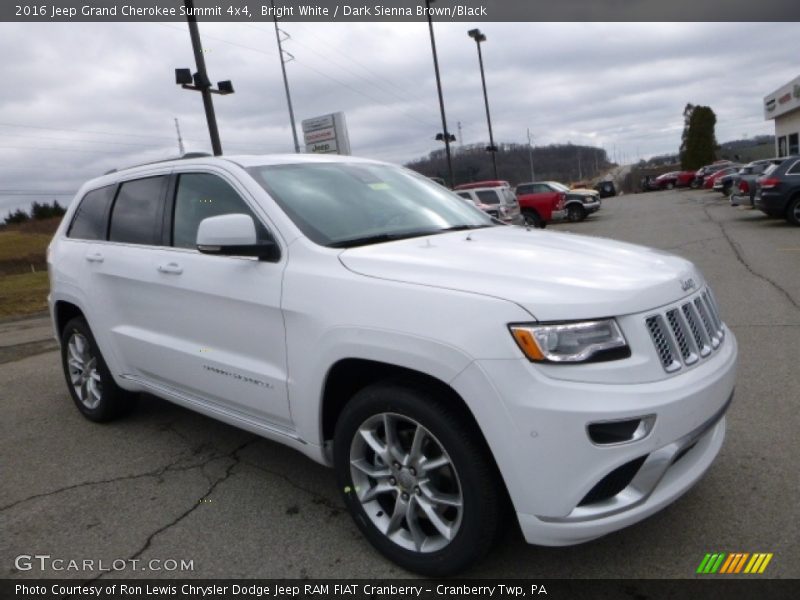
pixel 541 202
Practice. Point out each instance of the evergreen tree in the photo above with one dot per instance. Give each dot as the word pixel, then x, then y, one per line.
pixel 698 142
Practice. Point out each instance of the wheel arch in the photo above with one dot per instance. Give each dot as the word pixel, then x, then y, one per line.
pixel 348 376
pixel 63 312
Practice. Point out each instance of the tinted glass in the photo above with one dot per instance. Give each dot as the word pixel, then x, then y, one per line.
pixel 91 217
pixel 199 196
pixel 345 204
pixel 794 169
pixel 488 197
pixel 136 216
pixel 465 195
pixel 524 189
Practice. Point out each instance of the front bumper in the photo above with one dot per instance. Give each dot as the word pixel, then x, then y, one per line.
pixel 536 427
pixel 591 207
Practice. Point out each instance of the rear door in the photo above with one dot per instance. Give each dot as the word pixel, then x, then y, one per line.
pixel 119 272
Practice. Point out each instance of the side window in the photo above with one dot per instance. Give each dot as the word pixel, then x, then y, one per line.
pixel 540 188
pixel 465 195
pixel 91 217
pixel 524 189
pixel 202 195
pixel 794 169
pixel 136 216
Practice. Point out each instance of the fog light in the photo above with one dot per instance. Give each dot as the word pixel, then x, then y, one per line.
pixel 607 433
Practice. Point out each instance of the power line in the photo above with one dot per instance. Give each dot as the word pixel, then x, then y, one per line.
pixel 315 70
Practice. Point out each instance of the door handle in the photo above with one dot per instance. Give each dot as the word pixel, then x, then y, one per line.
pixel 170 268
pixel 95 257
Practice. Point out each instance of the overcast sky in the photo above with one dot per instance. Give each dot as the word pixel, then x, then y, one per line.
pixel 78 99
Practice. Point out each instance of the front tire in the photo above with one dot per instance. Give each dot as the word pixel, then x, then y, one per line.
pixel 670 186
pixel 90 383
pixel 417 479
pixel 575 213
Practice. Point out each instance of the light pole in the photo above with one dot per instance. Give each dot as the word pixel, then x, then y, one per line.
pixel 476 35
pixel 447 137
pixel 278 32
pixel 199 81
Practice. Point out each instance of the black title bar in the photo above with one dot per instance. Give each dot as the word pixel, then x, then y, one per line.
pixel 402 10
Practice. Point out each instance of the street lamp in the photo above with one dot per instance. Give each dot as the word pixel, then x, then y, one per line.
pixel 200 82
pixel 476 35
pixel 446 136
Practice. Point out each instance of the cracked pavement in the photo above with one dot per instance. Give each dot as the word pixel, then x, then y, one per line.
pixel 166 483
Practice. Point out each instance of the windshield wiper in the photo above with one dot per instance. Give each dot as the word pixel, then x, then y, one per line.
pixel 462 228
pixel 378 238
pixel 391 237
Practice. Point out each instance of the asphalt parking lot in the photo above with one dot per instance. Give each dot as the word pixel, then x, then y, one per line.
pixel 166 483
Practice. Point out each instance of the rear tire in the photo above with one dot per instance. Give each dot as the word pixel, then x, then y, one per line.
pixel 90 383
pixel 793 211
pixel 670 186
pixel 435 520
pixel 532 219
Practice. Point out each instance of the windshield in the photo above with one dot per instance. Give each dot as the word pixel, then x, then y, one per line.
pixel 559 187
pixel 351 204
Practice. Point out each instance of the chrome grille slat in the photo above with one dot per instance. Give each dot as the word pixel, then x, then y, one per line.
pixel 663 343
pixel 700 337
pixel 686 332
pixel 681 337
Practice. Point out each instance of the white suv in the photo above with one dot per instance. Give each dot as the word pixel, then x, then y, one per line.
pixel 450 368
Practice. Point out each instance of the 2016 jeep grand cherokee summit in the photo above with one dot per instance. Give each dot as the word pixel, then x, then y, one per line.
pixel 447 366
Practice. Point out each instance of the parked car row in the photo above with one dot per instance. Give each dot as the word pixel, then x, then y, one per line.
pixel 771 185
pixel 534 203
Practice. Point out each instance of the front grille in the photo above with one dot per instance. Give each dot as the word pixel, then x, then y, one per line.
pixel 686 333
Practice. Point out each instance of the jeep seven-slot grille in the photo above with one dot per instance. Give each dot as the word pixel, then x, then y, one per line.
pixel 686 333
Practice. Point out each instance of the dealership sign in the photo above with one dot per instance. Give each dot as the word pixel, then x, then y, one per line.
pixel 783 100
pixel 326 134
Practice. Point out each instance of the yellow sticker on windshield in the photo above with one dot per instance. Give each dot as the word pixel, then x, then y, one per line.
pixel 380 186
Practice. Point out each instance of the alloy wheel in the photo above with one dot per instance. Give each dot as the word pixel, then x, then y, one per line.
pixel 83 371
pixel 406 482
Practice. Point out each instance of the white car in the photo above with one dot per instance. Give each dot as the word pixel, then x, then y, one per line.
pixel 448 367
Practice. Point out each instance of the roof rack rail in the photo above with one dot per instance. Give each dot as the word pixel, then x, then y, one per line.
pixel 155 162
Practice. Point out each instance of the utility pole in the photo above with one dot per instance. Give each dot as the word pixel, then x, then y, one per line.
pixel 181 149
pixel 446 135
pixel 460 135
pixel 285 80
pixel 201 81
pixel 530 154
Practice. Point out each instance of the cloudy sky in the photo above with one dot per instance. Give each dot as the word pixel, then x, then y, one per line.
pixel 80 98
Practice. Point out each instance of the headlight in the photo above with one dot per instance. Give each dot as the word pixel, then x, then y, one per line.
pixel 571 342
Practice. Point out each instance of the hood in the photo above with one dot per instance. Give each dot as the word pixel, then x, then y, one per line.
pixel 583 192
pixel 554 276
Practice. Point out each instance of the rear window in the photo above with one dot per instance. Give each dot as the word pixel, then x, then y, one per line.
pixel 488 197
pixel 91 217
pixel 136 216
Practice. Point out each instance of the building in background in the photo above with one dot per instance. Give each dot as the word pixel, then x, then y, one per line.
pixel 783 105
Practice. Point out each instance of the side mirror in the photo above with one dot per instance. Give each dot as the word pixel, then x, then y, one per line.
pixel 234 235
